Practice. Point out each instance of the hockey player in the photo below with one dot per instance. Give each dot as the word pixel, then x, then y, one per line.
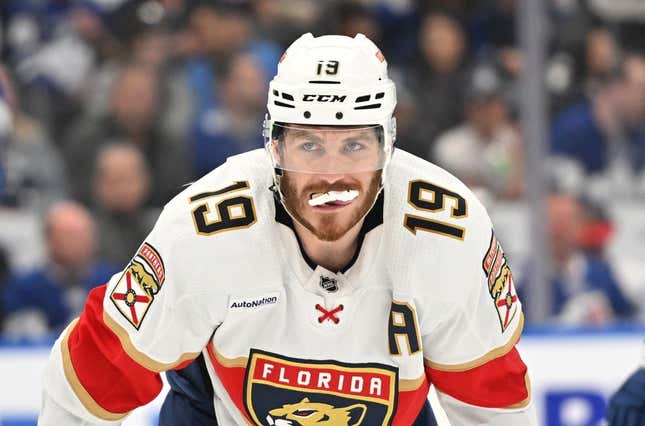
pixel 627 405
pixel 325 280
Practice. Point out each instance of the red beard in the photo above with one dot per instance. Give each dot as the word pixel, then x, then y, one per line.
pixel 330 227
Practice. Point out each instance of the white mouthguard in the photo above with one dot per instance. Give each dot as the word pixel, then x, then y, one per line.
pixel 331 196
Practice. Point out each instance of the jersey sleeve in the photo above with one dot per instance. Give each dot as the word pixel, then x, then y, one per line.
pixel 151 317
pixel 470 328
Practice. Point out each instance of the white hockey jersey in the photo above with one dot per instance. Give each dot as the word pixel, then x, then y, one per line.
pixel 428 298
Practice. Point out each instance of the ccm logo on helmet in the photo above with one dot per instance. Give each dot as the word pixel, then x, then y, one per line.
pixel 324 98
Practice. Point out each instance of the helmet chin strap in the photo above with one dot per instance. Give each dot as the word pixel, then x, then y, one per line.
pixel 279 195
pixel 276 188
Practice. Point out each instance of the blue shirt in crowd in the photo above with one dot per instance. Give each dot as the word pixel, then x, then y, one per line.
pixel 40 290
pixel 576 134
pixel 594 275
pixel 598 276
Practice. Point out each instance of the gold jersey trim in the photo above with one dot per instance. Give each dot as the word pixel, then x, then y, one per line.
pixel 229 362
pixel 493 354
pixel 138 356
pixel 81 393
pixel 406 385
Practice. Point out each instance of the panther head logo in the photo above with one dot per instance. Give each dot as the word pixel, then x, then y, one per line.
pixel 146 281
pixel 305 413
pixel 500 282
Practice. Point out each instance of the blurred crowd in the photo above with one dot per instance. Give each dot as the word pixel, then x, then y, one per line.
pixel 109 107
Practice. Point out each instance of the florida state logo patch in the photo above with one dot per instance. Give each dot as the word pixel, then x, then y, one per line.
pixel 286 391
pixel 138 285
pixel 500 282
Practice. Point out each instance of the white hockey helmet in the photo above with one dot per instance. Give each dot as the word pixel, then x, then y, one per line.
pixel 331 81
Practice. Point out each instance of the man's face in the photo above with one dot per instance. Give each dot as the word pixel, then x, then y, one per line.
pixel 564 222
pixel 487 115
pixel 122 180
pixel 442 42
pixel 135 97
pixel 342 167
pixel 71 237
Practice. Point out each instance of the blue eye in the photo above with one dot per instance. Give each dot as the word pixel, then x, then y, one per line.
pixel 354 146
pixel 310 146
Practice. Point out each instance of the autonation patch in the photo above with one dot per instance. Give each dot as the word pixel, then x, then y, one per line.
pixel 254 302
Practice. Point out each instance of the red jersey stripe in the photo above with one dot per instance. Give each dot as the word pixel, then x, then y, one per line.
pixel 232 377
pixel 499 383
pixel 409 404
pixel 105 379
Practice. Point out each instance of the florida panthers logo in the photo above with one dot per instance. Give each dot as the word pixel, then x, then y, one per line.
pixel 282 391
pixel 145 280
pixel 140 282
pixel 306 413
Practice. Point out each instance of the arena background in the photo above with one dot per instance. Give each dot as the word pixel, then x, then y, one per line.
pixel 109 107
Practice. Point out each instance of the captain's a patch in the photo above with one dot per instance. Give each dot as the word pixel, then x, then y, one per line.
pixel 140 282
pixel 500 282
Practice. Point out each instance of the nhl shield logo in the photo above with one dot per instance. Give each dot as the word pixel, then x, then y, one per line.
pixel 286 391
pixel 328 284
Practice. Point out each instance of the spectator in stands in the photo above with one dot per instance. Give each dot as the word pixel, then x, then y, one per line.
pixel 234 127
pixel 605 134
pixel 485 151
pixel 585 287
pixel 221 30
pixel 494 37
pixel 32 173
pixel 282 21
pixel 585 58
pixel 46 299
pixel 625 15
pixel 353 17
pixel 71 40
pixel 135 100
pixel 493 26
pixel 601 58
pixel 121 188
pixel 139 27
pixel 142 30
pixel 438 78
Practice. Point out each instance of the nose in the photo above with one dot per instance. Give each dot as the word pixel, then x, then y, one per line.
pixel 329 164
pixel 333 166
pixel 330 178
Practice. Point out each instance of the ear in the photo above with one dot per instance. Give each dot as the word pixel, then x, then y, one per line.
pixel 304 400
pixel 356 414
